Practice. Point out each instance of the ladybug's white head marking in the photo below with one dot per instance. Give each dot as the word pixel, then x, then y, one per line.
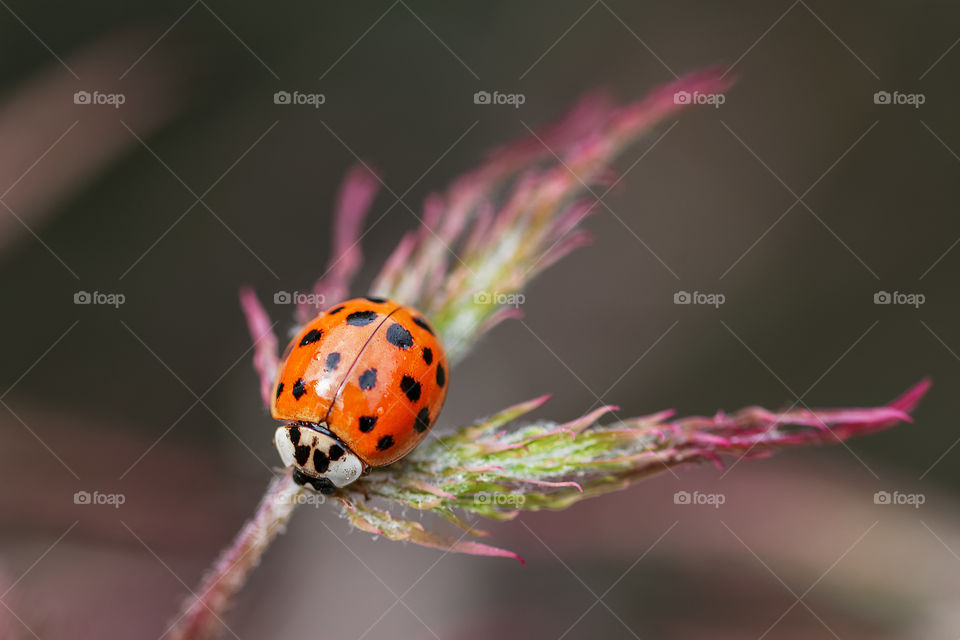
pixel 320 459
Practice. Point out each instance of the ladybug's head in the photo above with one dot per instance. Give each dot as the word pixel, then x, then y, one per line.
pixel 318 458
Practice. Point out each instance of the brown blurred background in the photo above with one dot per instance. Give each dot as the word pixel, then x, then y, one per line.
pixel 103 199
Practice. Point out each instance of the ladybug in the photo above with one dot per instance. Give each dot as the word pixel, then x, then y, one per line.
pixel 359 387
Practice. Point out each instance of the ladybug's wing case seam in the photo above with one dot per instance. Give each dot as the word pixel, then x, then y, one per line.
pixel 384 421
pixel 353 363
pixel 318 358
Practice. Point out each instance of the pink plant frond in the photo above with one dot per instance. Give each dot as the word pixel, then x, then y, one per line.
pixel 357 192
pixel 578 425
pixel 265 359
pixel 547 483
pixel 912 397
pixel 581 121
pixel 496 228
pixel 379 522
pixel 758 430
pixel 660 102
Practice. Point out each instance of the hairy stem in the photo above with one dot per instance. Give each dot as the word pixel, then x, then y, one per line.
pixel 201 617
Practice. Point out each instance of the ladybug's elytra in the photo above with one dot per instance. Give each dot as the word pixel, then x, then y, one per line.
pixel 359 387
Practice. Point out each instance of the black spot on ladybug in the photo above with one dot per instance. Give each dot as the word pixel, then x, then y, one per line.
pixel 420 322
pixel 428 355
pixel 441 376
pixel 368 379
pixel 333 361
pixel 298 389
pixel 320 461
pixel 361 318
pixel 334 312
pixel 375 299
pixel 312 336
pixel 302 454
pixel 279 389
pixel 423 420
pixel 410 387
pixel 295 435
pixel 399 337
pixel 367 423
pixel 385 443
pixel 336 451
pixel 323 485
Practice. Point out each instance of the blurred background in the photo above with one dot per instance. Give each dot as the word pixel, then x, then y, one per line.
pixel 176 178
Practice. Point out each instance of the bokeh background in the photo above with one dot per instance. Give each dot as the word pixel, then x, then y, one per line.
pixel 798 199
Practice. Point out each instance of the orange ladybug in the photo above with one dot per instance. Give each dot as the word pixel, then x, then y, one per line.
pixel 359 387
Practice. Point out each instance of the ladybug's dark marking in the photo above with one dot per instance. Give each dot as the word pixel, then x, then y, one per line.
pixel 302 454
pixel 361 318
pixel 335 452
pixel 399 337
pixel 333 361
pixel 375 299
pixel 420 322
pixel 312 336
pixel 334 312
pixel 323 485
pixel 320 461
pixel 428 355
pixel 368 379
pixel 422 422
pixel 295 435
pixel 385 443
pixel 441 376
pixel 279 389
pixel 367 423
pixel 410 387
pixel 299 389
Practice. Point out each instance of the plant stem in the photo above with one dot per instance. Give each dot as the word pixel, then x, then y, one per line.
pixel 201 617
